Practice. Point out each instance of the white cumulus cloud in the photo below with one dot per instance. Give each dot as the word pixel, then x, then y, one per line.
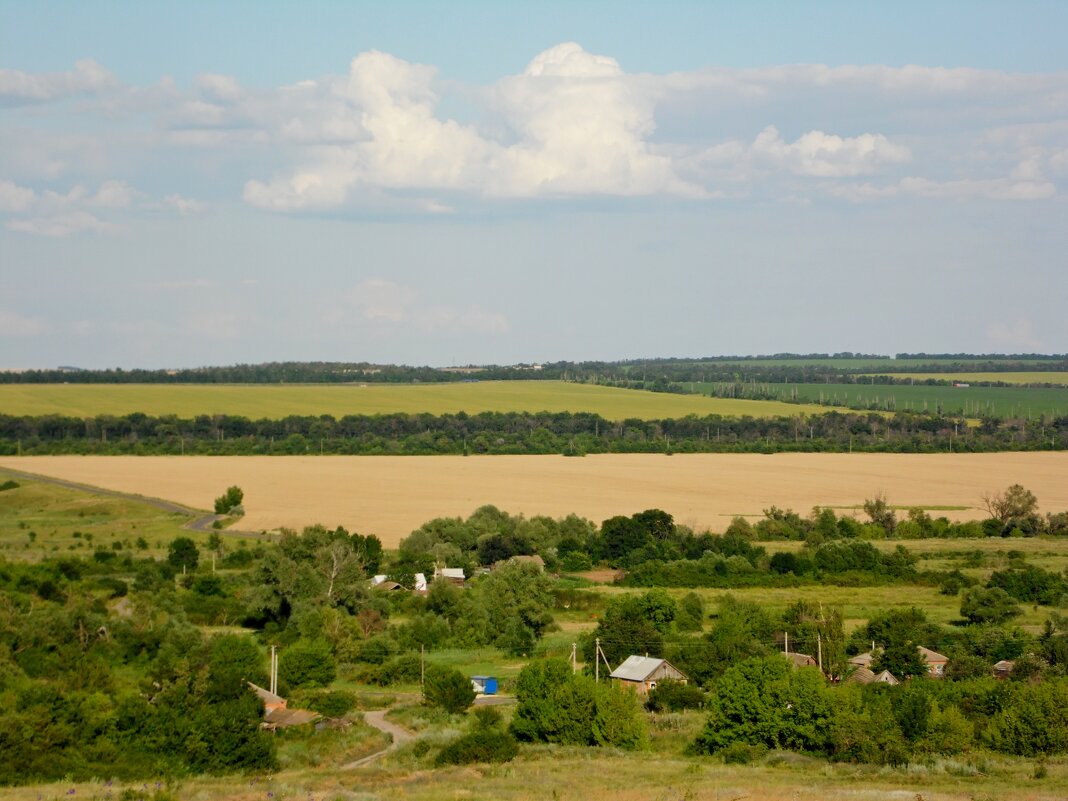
pixel 578 129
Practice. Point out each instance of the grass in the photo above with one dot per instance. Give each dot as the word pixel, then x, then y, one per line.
pixel 1035 377
pixel 38 520
pixel 272 401
pixel 847 364
pixel 580 774
pixel 1022 401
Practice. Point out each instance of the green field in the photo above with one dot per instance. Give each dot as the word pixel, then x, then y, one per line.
pixel 1025 378
pixel 846 364
pixel 259 401
pixel 969 401
pixel 40 520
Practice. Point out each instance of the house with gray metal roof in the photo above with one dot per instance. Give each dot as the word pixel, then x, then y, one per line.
pixel 643 672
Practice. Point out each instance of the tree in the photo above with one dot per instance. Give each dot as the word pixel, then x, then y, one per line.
pixel 767 702
pixel 182 554
pixel 555 706
pixel 902 658
pixel 992 605
pixel 307 663
pixel 1016 507
pixel 229 501
pixel 448 689
pixel 880 513
pixel 632 624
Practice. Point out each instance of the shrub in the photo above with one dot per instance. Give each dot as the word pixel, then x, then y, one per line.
pixel 557 707
pixel 481 745
pixel 576 562
pixel 230 501
pixel 448 689
pixel 404 669
pixel 183 553
pixel 308 663
pixel 742 753
pixel 332 704
pixel 674 696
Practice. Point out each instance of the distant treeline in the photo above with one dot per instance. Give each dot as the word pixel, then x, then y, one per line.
pixel 520 433
pixel 809 368
pixel 278 373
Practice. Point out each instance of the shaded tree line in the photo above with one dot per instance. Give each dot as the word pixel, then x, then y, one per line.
pixel 519 433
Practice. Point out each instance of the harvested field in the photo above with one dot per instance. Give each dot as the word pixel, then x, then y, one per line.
pixel 272 401
pixel 391 495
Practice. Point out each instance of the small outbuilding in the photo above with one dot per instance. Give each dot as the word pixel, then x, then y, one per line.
pixel 1003 669
pixel 484 685
pixel 801 660
pixel 643 672
pixel 277 715
pixel 453 575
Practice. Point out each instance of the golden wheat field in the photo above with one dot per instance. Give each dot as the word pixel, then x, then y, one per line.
pixel 391 495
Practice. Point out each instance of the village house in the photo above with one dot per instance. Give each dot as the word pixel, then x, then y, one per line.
pixel 276 714
pixel 453 575
pixel 934 661
pixel 863 675
pixel 643 672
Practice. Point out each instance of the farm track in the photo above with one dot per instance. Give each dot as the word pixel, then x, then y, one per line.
pixel 399 735
pixel 202 521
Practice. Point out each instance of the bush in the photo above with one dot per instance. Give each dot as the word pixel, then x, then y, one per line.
pixel 742 753
pixel 308 663
pixel 481 745
pixel 674 696
pixel 448 689
pixel 230 501
pixel 333 704
pixel 557 707
pixel 576 562
pixel 404 669
pixel 183 553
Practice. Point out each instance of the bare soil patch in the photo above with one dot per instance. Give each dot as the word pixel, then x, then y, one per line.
pixel 391 495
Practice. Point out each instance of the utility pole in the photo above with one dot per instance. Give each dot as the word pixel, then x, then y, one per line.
pixel 574 658
pixel 422 664
pixel 597 660
pixel 786 641
pixel 274 669
pixel 819 651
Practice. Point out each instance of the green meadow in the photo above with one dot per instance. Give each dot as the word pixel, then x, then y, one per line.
pixel 974 401
pixel 258 401
pixel 39 520
pixel 1025 378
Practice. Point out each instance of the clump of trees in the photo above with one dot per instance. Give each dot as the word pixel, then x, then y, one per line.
pixel 229 503
pixel 556 706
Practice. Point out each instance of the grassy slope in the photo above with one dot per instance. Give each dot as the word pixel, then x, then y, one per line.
pixel 273 401
pixel 55 513
pixel 553 772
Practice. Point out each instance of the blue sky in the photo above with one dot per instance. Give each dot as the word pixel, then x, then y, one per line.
pixel 440 183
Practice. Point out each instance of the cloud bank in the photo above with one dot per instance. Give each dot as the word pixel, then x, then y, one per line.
pixel 395 136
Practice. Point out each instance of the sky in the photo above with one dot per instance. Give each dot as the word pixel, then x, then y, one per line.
pixel 439 183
